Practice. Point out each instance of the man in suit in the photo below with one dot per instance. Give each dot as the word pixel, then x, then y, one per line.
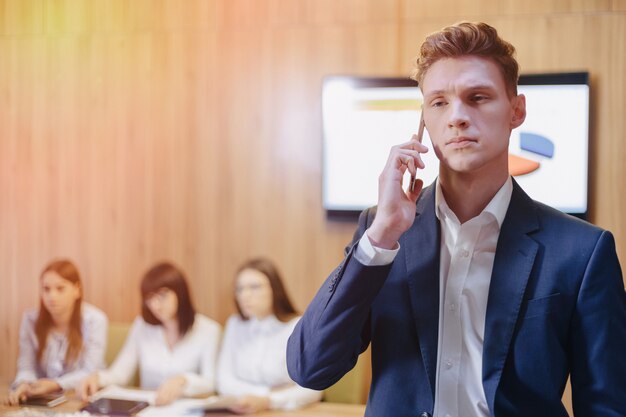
pixel 477 300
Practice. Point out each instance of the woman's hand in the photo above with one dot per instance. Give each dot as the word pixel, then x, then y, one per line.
pixel 42 386
pixel 170 390
pixel 88 386
pixel 26 390
pixel 18 394
pixel 250 404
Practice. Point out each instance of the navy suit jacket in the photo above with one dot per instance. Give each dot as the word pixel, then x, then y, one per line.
pixel 556 307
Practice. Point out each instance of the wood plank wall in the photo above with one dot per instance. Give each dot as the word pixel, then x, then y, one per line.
pixel 138 130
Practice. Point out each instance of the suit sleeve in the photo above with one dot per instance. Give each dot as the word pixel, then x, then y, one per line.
pixel 334 329
pixel 598 337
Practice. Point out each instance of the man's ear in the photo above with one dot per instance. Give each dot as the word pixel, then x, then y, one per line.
pixel 519 111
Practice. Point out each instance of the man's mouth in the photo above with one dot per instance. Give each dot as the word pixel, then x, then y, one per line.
pixel 460 142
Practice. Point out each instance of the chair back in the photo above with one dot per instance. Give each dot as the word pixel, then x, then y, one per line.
pixel 351 388
pixel 115 340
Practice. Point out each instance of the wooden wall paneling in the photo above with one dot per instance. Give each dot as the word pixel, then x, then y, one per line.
pixel 618 5
pixel 118 209
pixel 112 16
pixel 17 158
pixel 190 15
pixel 590 6
pixel 21 17
pixel 245 14
pixel 8 225
pixel 452 11
pixel 483 9
pixel 609 55
pixel 241 72
pixel 296 146
pixel 366 12
pixel 203 243
pixel 68 17
pixel 98 240
pixel 554 7
pixel 412 34
pixel 240 14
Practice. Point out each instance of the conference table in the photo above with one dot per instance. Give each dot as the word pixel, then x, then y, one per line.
pixel 322 409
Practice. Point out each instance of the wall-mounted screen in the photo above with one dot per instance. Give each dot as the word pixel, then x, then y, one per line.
pixel 364 117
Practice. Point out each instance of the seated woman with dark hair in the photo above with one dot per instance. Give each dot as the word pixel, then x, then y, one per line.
pixel 61 342
pixel 253 364
pixel 174 347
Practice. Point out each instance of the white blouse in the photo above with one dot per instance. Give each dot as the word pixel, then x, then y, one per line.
pixel 253 361
pixel 193 357
pixel 94 326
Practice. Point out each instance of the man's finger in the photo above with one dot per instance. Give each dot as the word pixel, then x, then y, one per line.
pixel 415 188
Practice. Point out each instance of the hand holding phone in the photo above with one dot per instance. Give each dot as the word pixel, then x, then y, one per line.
pixel 396 206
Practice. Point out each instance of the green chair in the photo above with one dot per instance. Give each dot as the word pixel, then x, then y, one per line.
pixel 115 340
pixel 351 388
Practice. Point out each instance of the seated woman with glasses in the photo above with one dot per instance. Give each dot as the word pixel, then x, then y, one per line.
pixel 174 347
pixel 252 364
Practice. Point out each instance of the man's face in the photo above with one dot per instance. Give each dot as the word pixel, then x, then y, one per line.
pixel 469 115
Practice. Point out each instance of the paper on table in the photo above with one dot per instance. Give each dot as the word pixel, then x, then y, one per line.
pixel 216 403
pixel 179 408
pixel 189 407
pixel 119 393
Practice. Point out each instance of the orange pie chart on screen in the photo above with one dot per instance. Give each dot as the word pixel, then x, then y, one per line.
pixel 520 166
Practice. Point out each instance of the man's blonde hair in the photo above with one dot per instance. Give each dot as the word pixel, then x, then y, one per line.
pixel 467 39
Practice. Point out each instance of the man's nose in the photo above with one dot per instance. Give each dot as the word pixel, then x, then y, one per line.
pixel 459 117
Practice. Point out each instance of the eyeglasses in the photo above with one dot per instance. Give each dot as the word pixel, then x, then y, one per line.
pixel 250 287
pixel 158 296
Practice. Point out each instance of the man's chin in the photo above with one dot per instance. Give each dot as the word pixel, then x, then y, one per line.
pixel 462 164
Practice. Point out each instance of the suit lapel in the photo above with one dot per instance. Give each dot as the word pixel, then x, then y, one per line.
pixel 421 243
pixel 514 259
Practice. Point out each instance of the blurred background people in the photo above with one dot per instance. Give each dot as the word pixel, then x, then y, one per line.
pixel 252 362
pixel 174 347
pixel 62 341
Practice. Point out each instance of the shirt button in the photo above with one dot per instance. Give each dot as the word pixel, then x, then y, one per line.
pixel 464 253
pixel 452 307
pixel 449 363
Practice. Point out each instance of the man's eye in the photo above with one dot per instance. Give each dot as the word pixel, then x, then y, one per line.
pixel 437 103
pixel 478 98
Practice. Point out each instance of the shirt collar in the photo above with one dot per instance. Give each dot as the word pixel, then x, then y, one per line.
pixel 265 322
pixel 497 207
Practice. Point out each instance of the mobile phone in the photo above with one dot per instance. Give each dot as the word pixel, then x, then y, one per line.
pixel 420 135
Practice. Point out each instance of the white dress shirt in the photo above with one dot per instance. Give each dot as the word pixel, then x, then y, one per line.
pixel 253 361
pixel 467 254
pixel 193 357
pixel 53 365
